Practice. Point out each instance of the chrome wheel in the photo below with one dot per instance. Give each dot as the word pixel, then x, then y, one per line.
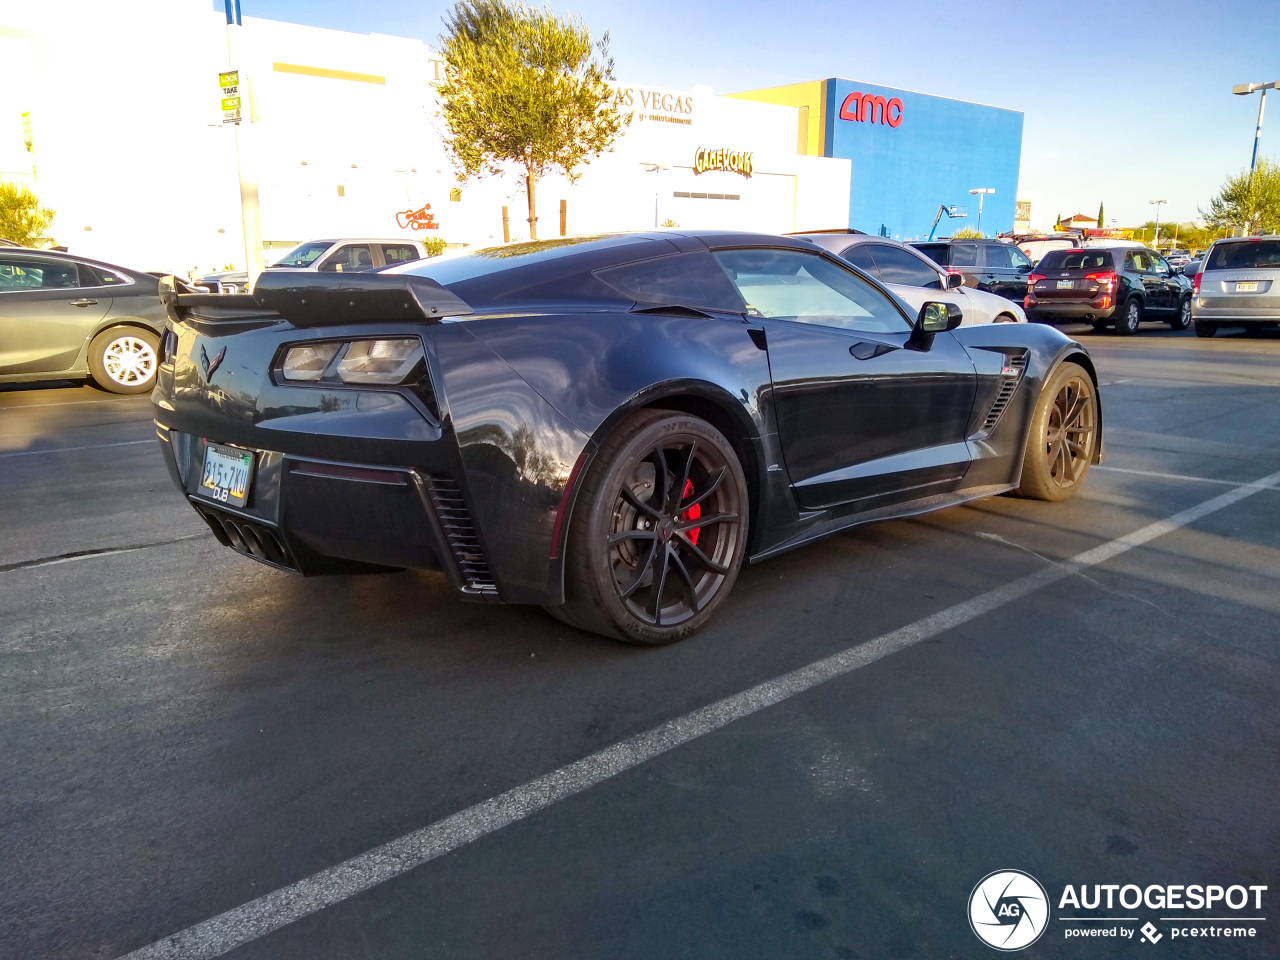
pixel 129 361
pixel 674 534
pixel 1069 431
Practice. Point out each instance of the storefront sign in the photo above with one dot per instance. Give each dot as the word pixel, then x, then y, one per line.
pixel 646 103
pixel 230 84
pixel 868 108
pixel 417 219
pixel 733 161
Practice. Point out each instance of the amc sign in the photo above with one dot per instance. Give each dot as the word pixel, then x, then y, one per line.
pixel 868 108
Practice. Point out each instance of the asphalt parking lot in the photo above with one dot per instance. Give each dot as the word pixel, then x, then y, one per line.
pixel 185 732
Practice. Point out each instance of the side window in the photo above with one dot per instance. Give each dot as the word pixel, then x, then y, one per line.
pixel 99 277
pixel 349 259
pixel 964 255
pixel 35 274
pixel 1020 259
pixel 1131 261
pixel 685 279
pixel 399 253
pixel 860 256
pixel 996 256
pixel 902 266
pixel 1141 261
pixel 806 288
pixel 1158 264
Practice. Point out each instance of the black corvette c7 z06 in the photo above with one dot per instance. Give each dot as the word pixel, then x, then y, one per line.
pixel 606 426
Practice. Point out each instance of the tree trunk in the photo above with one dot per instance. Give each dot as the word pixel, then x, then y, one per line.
pixel 533 207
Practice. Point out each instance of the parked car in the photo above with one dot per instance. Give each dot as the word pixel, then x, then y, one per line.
pixel 1037 245
pixel 66 317
pixel 328 256
pixel 606 426
pixel 990 265
pixel 1108 285
pixel 1178 258
pixel 916 278
pixel 1238 285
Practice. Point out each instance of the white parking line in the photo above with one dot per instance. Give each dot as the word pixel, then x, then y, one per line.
pixel 67 403
pixel 92 446
pixel 1172 476
pixel 270 912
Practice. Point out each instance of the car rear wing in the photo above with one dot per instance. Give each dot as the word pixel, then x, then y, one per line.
pixel 307 299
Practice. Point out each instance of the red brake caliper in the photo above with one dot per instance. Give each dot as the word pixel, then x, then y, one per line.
pixel 693 513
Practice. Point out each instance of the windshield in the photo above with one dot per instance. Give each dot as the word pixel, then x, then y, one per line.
pixel 1250 253
pixel 1076 260
pixel 304 254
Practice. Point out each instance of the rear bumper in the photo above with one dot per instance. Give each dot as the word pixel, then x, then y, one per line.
pixel 1235 310
pixel 1067 310
pixel 316 516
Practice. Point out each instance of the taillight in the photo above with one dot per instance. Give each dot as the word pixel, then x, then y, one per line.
pixel 1195 284
pixel 1105 280
pixel 1035 278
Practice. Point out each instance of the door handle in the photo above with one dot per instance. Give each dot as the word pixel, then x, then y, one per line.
pixel 83 302
pixel 867 350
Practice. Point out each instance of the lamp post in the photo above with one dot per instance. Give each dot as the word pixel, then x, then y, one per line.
pixel 655 168
pixel 1155 242
pixel 1243 90
pixel 982 193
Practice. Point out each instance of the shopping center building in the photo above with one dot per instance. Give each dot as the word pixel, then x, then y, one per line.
pixel 339 136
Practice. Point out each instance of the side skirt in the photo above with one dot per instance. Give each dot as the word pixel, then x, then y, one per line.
pixel 896 511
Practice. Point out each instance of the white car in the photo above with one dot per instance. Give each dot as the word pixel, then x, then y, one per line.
pixel 915 278
pixel 350 255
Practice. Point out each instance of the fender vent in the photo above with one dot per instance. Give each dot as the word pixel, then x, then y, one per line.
pixel 1011 376
pixel 451 508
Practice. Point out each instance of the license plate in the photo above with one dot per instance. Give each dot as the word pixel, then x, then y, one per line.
pixel 226 475
pixel 1250 286
pixel 1066 284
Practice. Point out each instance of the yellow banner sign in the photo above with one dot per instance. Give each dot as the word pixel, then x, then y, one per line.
pixel 733 161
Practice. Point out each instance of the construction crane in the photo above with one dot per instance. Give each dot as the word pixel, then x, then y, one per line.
pixel 953 211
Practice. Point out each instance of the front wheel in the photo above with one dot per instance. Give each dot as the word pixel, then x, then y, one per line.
pixel 1062 437
pixel 1205 329
pixel 1127 322
pixel 1183 319
pixel 659 531
pixel 124 360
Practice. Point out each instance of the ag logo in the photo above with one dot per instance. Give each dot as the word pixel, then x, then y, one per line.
pixel 1008 910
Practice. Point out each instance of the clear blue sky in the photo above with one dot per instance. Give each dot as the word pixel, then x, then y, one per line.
pixel 1124 102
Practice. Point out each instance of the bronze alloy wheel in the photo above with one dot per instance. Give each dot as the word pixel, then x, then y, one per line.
pixel 1063 435
pixel 659 532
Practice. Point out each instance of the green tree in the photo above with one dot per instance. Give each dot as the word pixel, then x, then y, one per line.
pixel 967 233
pixel 525 89
pixel 1102 224
pixel 22 219
pixel 1249 201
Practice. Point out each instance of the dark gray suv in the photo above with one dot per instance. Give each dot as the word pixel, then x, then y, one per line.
pixel 65 317
pixel 990 265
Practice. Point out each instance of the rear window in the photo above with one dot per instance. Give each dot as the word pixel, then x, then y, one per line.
pixel 1251 253
pixel 1076 260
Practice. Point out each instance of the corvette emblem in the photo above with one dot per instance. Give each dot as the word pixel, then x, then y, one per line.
pixel 210 365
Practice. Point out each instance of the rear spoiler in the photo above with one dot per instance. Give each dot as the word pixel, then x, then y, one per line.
pixel 307 299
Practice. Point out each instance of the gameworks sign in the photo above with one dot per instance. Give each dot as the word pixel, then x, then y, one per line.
pixel 869 108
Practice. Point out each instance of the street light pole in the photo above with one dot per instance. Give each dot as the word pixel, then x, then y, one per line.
pixel 1156 240
pixel 982 193
pixel 1243 90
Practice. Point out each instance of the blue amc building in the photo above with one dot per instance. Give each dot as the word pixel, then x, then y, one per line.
pixel 910 152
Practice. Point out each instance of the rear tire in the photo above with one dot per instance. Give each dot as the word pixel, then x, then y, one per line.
pixel 646 562
pixel 1128 320
pixel 124 360
pixel 1062 436
pixel 1205 329
pixel 1183 319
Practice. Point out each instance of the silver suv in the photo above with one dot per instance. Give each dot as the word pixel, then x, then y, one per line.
pixel 1238 285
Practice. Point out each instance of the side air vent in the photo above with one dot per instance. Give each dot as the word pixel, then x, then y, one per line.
pixel 446 498
pixel 1011 376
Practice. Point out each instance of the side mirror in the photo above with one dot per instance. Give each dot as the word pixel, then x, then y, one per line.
pixel 935 317
pixel 1024 268
pixel 954 281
